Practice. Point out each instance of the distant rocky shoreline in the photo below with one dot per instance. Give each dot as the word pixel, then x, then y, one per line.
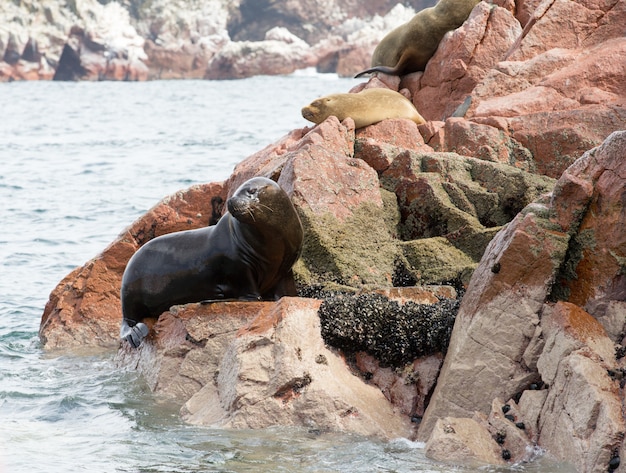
pixel 212 39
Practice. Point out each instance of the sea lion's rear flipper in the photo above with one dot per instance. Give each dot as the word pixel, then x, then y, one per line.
pixel 384 69
pixel 135 334
pixel 285 287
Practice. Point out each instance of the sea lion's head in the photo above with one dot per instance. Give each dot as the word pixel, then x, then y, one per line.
pixel 264 205
pixel 260 200
pixel 320 109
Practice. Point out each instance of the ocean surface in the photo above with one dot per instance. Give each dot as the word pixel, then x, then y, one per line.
pixel 78 163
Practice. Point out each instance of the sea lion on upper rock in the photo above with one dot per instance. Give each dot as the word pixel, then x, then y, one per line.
pixel 247 255
pixel 408 47
pixel 365 107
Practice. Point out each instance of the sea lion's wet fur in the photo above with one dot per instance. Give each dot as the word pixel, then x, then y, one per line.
pixel 408 47
pixel 365 108
pixel 247 255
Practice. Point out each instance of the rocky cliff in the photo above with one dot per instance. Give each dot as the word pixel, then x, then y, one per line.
pixel 212 39
pixel 502 217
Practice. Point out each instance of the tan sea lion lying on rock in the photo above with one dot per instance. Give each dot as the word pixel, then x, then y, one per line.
pixel 365 108
pixel 408 48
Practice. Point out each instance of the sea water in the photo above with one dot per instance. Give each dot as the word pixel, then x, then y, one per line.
pixel 78 163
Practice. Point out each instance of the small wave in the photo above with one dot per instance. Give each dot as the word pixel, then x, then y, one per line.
pixel 12 187
pixel 408 444
pixel 312 72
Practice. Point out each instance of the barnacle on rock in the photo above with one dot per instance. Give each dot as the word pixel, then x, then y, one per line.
pixel 393 333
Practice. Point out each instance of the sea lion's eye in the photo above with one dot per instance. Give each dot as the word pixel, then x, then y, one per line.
pixel 252 190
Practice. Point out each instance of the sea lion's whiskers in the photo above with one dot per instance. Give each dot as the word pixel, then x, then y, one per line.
pixel 249 211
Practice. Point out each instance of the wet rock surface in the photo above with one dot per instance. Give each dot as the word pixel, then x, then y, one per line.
pixel 464 441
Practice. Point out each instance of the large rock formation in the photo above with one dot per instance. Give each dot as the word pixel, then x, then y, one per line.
pixel 361 229
pixel 536 356
pixel 543 315
pixel 80 40
pixel 537 98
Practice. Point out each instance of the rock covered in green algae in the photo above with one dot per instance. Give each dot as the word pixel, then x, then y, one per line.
pixel 428 219
pixel 357 251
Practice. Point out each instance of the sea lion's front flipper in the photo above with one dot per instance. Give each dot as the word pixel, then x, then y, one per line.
pixel 135 334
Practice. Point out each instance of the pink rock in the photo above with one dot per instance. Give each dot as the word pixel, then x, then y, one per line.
pixel 556 96
pixel 525 10
pixel 269 161
pixel 172 360
pixel 524 103
pixel 187 61
pixel 575 362
pixel 407 390
pixel 565 24
pixel 485 142
pixel 463 440
pixel 585 434
pixel 433 133
pixel 379 81
pixel 599 265
pixel 84 58
pixel 257 365
pixel 558 79
pixel 237 60
pixel 530 405
pixel 572 193
pixel 497 319
pixel 427 369
pixel 321 174
pixel 25 70
pixel 514 438
pixel 463 58
pixel 346 58
pixel 506 336
pixel 375 144
pixel 567 328
pixel 351 61
pixel 594 67
pixel 557 138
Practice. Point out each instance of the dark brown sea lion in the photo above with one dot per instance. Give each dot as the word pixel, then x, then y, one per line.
pixel 408 48
pixel 365 107
pixel 247 255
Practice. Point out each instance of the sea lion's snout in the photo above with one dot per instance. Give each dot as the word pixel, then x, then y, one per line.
pixel 308 113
